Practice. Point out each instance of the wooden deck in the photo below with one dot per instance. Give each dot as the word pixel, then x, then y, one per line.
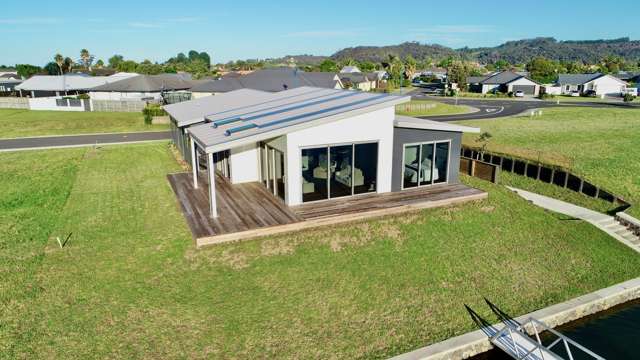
pixel 241 207
pixel 249 210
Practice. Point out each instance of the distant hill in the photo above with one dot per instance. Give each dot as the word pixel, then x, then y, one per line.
pixel 519 51
pixel 590 51
pixel 381 53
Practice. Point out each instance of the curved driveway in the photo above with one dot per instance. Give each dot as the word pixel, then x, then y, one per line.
pixel 489 109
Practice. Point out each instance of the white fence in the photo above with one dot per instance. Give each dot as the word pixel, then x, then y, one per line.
pixel 56 104
pixel 14 103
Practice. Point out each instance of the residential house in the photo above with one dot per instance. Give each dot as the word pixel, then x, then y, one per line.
pixel 271 80
pixel 60 85
pixel 435 72
pixel 596 84
pixel 312 144
pixel 358 81
pixel 142 87
pixel 349 70
pixel 8 82
pixel 504 82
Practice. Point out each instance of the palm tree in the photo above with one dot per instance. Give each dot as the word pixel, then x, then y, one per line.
pixel 86 58
pixel 59 59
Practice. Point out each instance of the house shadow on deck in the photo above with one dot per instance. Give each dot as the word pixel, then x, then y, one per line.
pixel 249 210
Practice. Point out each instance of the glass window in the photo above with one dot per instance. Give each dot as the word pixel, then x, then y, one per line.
pixel 442 163
pixel 315 174
pixel 411 166
pixel 341 166
pixel 365 168
pixel 427 172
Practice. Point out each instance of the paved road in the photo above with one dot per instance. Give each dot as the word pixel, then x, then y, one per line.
pixel 502 108
pixel 80 140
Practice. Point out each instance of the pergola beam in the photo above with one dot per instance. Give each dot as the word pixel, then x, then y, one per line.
pixel 194 162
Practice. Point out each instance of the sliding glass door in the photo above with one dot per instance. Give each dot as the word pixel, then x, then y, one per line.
pixel 337 171
pixel 425 164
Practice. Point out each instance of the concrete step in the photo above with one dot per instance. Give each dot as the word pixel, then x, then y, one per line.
pixel 608 222
pixel 624 233
pixel 616 228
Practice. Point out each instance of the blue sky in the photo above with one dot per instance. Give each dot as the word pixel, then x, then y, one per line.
pixel 228 30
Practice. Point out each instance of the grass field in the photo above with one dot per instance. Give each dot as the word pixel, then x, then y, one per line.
pixel 438 109
pixel 23 123
pixel 129 283
pixel 601 144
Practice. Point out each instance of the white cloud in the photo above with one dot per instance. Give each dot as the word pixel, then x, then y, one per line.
pixel 185 19
pixel 30 21
pixel 144 25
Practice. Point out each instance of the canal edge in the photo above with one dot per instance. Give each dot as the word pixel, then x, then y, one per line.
pixel 476 342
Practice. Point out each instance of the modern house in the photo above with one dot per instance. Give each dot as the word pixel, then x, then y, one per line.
pixel 591 84
pixel 59 85
pixel 142 87
pixel 8 82
pixel 504 82
pixel 350 70
pixel 310 145
pixel 272 80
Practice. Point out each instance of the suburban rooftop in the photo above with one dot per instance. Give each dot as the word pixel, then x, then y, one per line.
pixel 261 117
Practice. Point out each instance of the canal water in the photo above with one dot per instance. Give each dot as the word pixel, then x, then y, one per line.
pixel 612 334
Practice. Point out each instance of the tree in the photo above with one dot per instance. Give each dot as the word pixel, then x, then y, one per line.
pixel 127 66
pixel 193 55
pixel 543 70
pixel 52 68
pixel 328 65
pixel 115 60
pixel 367 66
pixel 458 72
pixel 410 66
pixel 394 68
pixel 86 59
pixel 99 64
pixel 26 70
pixel 502 65
pixel 59 60
pixel 67 66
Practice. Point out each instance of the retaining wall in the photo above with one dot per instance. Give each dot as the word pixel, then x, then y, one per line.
pixel 549 174
pixel 14 103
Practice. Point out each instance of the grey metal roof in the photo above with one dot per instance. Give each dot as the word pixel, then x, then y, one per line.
pixel 502 78
pixel 192 112
pixel 147 83
pixel 354 78
pixel 277 79
pixel 577 79
pixel 476 79
pixel 424 124
pixel 284 112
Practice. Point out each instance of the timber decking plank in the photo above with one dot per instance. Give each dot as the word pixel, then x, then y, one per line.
pixel 249 209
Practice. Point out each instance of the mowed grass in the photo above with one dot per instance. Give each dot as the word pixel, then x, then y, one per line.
pixel 437 109
pixel 130 284
pixel 603 145
pixel 24 123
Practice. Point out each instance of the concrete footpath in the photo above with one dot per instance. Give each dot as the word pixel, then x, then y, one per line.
pixel 52 142
pixel 606 223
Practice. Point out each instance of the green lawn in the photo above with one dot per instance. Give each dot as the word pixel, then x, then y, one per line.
pixel 23 123
pixel 601 144
pixel 129 283
pixel 437 109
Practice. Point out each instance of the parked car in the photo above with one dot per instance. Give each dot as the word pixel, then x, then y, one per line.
pixel 519 93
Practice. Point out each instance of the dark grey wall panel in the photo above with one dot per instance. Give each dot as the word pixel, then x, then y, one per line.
pixel 402 136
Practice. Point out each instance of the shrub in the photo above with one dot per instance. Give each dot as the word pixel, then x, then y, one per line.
pixel 628 97
pixel 545 96
pixel 152 110
pixel 83 97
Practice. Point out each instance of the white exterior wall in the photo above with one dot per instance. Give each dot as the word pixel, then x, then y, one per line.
pixel 488 88
pixel 606 86
pixel 244 164
pixel 553 90
pixel 49 103
pixel 115 95
pixel 375 126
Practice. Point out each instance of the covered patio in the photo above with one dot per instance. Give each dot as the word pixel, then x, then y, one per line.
pixel 249 210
